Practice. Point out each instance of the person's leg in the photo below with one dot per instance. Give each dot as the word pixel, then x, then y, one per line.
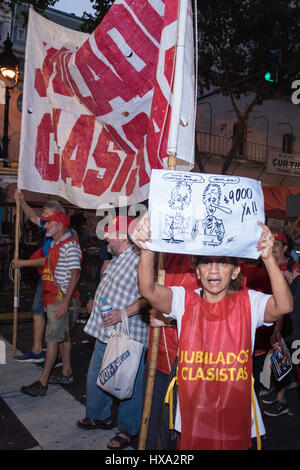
pixel 281 394
pixel 39 323
pixel 51 355
pixel 36 353
pixel 55 331
pixel 65 352
pixel 258 364
pixel 39 319
pixel 98 403
pixel 130 411
pixel 159 391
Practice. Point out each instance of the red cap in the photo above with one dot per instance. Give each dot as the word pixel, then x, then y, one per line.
pixel 58 216
pixel 121 223
pixel 279 237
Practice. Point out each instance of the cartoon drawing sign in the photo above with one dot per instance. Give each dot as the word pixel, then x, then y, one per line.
pixel 205 214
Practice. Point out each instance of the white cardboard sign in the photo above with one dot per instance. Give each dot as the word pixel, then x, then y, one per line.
pixel 205 214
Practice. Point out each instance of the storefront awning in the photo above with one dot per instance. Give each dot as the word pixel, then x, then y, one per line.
pixel 275 200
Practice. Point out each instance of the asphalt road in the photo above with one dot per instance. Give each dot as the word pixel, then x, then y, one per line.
pixel 282 432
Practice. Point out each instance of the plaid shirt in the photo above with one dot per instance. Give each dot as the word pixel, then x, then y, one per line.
pixel 119 286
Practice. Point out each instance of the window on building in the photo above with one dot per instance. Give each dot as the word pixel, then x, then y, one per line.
pixel 287 143
pixel 20 34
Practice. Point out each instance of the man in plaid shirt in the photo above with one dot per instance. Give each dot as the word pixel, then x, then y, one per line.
pixel 119 286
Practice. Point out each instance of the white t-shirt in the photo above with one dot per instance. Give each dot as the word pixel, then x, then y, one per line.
pixel 258 301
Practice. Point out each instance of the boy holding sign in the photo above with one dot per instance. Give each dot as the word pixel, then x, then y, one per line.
pixel 216 330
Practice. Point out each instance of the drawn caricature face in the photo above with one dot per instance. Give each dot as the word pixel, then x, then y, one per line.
pixel 180 196
pixel 211 198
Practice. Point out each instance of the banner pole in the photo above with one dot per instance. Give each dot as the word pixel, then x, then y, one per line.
pixel 16 282
pixel 172 154
pixel 154 346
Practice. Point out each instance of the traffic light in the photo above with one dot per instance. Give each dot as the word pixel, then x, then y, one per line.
pixel 271 62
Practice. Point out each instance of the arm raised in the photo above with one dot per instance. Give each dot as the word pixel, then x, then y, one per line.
pixel 160 297
pixel 281 301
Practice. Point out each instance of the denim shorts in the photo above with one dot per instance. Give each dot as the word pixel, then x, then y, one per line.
pixel 37 304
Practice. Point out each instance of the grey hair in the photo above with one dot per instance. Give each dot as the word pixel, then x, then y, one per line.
pixel 54 205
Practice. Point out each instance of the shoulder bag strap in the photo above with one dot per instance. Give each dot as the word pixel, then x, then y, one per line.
pixel 124 329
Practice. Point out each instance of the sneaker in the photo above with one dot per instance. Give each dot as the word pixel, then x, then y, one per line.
pixel 29 356
pixel 270 398
pixel 36 389
pixel 277 408
pixel 61 379
pixel 57 363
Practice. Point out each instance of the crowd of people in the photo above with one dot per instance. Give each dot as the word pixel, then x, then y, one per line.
pixel 219 318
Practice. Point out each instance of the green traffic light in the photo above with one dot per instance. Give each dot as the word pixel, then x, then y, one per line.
pixel 268 77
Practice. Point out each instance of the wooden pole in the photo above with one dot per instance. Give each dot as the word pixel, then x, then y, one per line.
pixel 16 282
pixel 154 347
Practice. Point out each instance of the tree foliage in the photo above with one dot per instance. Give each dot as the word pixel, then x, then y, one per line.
pixel 233 36
pixel 91 21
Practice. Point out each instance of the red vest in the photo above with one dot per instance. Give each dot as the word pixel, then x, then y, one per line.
pixel 215 373
pixel 49 287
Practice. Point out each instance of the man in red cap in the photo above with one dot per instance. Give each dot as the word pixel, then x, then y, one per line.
pixel 36 354
pixel 119 285
pixel 60 276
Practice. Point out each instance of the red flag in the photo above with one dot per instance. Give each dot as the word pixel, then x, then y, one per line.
pixel 102 104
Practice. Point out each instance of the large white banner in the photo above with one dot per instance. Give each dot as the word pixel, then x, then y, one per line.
pixel 96 109
pixel 205 214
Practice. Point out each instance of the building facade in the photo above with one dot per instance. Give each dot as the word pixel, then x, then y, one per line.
pixel 13 23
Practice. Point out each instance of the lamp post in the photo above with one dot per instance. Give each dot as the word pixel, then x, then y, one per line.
pixel 9 70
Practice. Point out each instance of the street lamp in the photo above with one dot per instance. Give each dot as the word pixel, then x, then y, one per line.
pixel 9 70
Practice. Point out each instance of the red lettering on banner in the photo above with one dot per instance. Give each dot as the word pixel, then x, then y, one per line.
pixel 43 74
pixel 140 44
pixel 169 61
pixel 39 83
pixel 59 82
pixel 109 161
pixel 152 21
pixel 123 173
pixel 121 142
pixel 131 182
pixel 126 80
pixel 48 171
pixel 136 129
pixel 143 175
pixel 80 138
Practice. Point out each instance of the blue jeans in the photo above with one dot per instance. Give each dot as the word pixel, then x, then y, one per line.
pixel 98 402
pixel 37 304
